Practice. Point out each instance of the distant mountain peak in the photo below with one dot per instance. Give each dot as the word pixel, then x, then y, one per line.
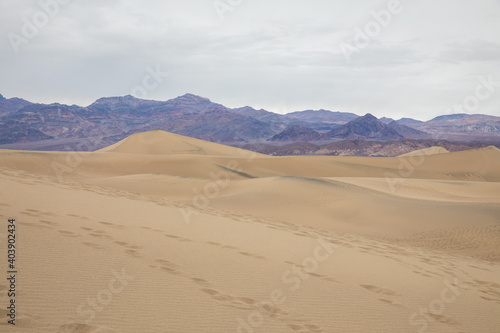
pixel 1 97
pixel 386 120
pixel 450 117
pixel 367 127
pixel 115 99
pixel 368 116
pixel 193 97
pixel 322 115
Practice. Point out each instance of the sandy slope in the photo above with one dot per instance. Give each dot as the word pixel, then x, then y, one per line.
pixel 163 233
pixel 427 151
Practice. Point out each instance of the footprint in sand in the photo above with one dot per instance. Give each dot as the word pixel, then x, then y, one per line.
pixel 244 253
pixel 49 223
pixel 169 267
pixel 180 239
pixel 217 295
pixel 443 319
pixel 390 302
pixel 112 225
pixel 133 253
pixel 201 282
pixel 67 233
pixel 379 290
pixel 99 234
pixel 256 256
pixel 77 216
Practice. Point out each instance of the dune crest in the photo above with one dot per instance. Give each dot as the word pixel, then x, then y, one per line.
pixel 427 151
pixel 165 143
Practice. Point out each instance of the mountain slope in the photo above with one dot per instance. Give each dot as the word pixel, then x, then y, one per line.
pixel 18 132
pixel 367 127
pixel 408 132
pixel 472 124
pixel 11 105
pixel 297 133
pixel 114 118
pixel 323 116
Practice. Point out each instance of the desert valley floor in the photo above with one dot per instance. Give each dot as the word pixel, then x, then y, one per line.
pixel 165 233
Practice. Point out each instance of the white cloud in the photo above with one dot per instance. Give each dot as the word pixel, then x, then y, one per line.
pixel 279 55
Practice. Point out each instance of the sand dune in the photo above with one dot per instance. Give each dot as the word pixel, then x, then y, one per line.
pixel 163 233
pixel 427 151
pixel 164 143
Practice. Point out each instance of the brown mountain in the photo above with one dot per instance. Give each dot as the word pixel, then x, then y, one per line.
pixel 408 132
pixel 19 132
pixel 469 124
pixel 323 116
pixel 367 127
pixel 297 133
pixel 278 122
pixel 111 119
pixel 114 118
pixel 11 105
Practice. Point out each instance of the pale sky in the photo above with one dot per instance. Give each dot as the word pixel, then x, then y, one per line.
pixel 418 60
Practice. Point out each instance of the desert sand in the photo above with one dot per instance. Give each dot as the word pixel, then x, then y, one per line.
pixel 427 151
pixel 165 233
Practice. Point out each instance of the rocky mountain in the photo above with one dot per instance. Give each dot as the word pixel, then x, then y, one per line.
pixel 386 120
pixel 367 127
pixel 297 133
pixel 11 105
pixel 277 122
pixel 111 119
pixel 409 121
pixel 408 132
pixel 118 117
pixel 323 116
pixel 469 124
pixel 217 125
pixel 19 132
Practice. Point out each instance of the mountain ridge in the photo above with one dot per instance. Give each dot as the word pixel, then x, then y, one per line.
pixel 114 118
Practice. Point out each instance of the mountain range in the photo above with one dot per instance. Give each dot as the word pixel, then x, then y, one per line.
pixel 26 125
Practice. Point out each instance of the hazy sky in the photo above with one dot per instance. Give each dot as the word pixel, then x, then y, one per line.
pixel 391 58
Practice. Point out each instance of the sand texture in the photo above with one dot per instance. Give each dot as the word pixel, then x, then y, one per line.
pixel 165 233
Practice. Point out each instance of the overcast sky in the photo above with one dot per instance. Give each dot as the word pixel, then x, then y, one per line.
pixel 419 59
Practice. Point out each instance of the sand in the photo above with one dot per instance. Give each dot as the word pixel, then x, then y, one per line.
pixel 164 233
pixel 427 151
